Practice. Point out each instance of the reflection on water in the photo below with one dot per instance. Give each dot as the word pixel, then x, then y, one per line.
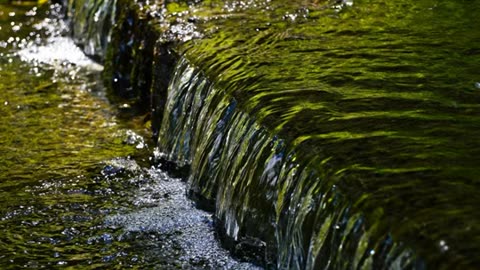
pixel 72 172
pixel 377 99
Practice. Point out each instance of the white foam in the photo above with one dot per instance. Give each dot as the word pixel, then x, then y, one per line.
pixel 57 52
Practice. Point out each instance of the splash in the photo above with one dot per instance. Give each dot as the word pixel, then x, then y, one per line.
pixel 48 54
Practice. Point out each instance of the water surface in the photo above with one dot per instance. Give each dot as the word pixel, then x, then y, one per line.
pixel 380 98
pixel 77 185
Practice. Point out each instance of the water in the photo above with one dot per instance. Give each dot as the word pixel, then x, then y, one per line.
pixel 343 135
pixel 80 186
pixel 324 134
pixel 91 24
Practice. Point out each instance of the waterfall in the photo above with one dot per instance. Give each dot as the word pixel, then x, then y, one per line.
pixel 322 135
pixel 92 23
pixel 263 196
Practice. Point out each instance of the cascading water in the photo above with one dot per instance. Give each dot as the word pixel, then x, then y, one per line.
pixel 324 134
pixel 338 136
pixel 76 183
pixel 92 23
pixel 260 190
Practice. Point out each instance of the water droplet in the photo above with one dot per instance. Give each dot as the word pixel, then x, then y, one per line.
pixel 477 85
pixel 11 14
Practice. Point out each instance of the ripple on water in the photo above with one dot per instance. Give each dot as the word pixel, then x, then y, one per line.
pixel 68 188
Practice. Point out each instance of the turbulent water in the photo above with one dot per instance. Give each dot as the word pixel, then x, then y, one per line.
pixel 76 182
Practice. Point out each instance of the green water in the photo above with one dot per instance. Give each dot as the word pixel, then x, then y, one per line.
pixel 57 133
pixel 80 188
pixel 341 135
pixel 380 98
pixel 77 187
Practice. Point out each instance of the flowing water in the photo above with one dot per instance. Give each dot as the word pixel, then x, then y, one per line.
pixel 77 184
pixel 324 135
pixel 343 134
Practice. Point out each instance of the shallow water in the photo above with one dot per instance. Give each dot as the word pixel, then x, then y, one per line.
pixel 77 185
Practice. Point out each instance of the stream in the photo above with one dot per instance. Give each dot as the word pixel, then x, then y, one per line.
pixel 299 134
pixel 80 186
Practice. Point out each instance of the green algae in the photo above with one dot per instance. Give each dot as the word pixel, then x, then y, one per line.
pixel 43 133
